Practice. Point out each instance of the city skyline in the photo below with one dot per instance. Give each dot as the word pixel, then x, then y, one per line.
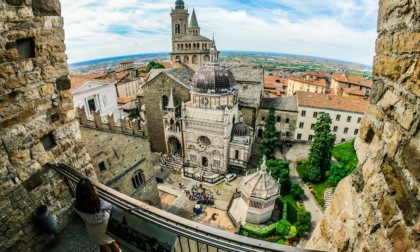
pixel 342 30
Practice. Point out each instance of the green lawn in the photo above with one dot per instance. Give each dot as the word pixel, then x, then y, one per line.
pixel 319 190
pixel 345 150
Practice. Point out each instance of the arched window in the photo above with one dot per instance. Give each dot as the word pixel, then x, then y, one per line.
pixel 138 179
pixel 177 28
pixel 194 59
pixel 165 101
pixel 186 59
pixel 206 58
pixel 236 154
pixel 260 133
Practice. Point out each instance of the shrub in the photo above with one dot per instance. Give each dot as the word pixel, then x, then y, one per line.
pixel 283 228
pixel 296 190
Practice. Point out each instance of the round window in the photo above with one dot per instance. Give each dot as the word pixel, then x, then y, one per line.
pixel 204 140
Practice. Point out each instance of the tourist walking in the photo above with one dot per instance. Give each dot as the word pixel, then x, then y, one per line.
pixel 95 213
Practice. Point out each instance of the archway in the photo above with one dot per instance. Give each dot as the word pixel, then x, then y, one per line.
pixel 204 161
pixel 174 146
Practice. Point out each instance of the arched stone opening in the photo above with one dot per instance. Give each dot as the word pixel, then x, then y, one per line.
pixel 174 146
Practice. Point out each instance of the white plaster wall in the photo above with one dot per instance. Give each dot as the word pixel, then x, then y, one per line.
pixel 309 119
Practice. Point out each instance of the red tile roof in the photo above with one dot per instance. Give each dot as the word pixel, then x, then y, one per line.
pixel 318 82
pixel 332 102
pixel 124 100
pixel 352 79
pixel 354 91
pixel 77 81
pixel 275 80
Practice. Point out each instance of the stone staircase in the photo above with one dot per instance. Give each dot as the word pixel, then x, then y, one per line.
pixel 171 163
pixel 328 196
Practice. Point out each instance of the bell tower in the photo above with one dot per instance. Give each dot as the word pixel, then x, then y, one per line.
pixel 179 18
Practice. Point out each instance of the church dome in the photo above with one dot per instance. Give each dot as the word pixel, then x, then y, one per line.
pixel 241 129
pixel 213 78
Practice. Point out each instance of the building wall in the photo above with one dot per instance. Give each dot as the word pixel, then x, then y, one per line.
pixel 281 118
pixel 119 153
pixel 339 119
pixel 35 103
pixel 338 86
pixel 294 86
pixel 105 99
pixel 376 208
pixel 129 88
pixel 152 99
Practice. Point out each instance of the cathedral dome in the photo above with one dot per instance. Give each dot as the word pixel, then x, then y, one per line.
pixel 241 129
pixel 213 78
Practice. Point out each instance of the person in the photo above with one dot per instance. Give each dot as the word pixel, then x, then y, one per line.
pixel 94 212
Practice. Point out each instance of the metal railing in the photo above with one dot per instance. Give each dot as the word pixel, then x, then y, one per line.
pixel 191 236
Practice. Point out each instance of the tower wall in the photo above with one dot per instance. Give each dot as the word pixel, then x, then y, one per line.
pixel 37 122
pixel 376 208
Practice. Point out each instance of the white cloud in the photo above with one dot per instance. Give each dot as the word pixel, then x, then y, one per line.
pixel 344 29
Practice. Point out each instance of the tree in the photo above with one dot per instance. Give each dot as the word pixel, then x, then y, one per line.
pixel 303 222
pixel 321 149
pixel 339 171
pixel 296 190
pixel 280 171
pixel 270 136
pixel 152 65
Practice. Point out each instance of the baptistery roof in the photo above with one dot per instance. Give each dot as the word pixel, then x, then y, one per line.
pixel 213 78
pixel 260 184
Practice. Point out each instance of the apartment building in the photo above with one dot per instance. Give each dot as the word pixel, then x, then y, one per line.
pixel 345 113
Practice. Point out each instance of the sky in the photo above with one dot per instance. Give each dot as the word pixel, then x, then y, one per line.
pixel 336 29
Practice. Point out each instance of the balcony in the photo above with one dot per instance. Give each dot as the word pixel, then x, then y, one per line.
pixel 186 235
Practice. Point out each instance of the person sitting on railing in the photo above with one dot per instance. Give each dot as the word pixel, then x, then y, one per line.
pixel 94 212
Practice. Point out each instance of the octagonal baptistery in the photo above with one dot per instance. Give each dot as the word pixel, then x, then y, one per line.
pixel 259 191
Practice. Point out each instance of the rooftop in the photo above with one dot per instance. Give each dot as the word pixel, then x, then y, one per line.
pixel 288 103
pixel 353 79
pixel 333 102
pixel 317 82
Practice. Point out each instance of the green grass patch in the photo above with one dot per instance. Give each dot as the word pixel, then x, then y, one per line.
pixel 345 152
pixel 291 209
pixel 319 190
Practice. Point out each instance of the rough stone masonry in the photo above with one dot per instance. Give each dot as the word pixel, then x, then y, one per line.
pixel 377 208
pixel 37 122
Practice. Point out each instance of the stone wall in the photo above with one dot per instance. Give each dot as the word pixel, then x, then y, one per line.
pixel 37 122
pixel 121 156
pixel 377 207
pixel 152 99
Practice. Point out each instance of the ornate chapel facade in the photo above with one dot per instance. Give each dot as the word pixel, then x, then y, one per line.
pixel 208 131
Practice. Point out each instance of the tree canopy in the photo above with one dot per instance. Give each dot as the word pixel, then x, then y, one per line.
pixel 303 221
pixel 152 65
pixel 296 190
pixel 280 170
pixel 270 136
pixel 321 149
